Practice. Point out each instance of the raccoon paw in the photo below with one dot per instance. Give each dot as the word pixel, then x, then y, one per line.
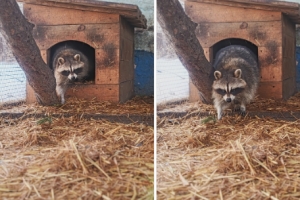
pixel 237 109
pixel 63 101
pixel 243 110
pixel 243 113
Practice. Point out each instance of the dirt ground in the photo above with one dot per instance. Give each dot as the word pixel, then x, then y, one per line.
pixel 252 157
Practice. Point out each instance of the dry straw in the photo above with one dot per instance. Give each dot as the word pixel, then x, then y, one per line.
pixel 75 157
pixel 235 158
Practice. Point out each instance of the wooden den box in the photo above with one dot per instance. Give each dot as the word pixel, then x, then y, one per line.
pixel 266 27
pixel 106 27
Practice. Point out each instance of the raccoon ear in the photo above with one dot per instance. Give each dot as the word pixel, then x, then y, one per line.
pixel 77 57
pixel 61 60
pixel 238 73
pixel 217 75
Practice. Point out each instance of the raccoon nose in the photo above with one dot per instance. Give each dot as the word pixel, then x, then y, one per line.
pixel 73 78
pixel 228 100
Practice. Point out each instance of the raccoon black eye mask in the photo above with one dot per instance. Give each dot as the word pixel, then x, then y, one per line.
pixel 234 91
pixel 65 73
pixel 76 71
pixel 221 92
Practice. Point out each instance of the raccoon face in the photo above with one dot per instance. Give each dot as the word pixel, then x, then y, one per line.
pixel 70 67
pixel 230 86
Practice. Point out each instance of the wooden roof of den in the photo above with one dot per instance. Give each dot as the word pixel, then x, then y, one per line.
pixel 292 10
pixel 130 12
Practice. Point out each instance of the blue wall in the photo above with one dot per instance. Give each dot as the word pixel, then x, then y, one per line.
pixel 144 73
pixel 298 68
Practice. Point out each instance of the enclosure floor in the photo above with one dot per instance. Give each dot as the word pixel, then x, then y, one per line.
pixel 139 110
pixel 265 108
pixel 237 157
pixel 76 157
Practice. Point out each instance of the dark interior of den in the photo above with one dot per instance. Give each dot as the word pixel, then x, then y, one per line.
pixel 234 41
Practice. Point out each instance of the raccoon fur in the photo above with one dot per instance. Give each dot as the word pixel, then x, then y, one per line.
pixel 69 65
pixel 236 78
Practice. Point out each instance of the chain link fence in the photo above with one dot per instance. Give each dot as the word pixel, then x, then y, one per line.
pixel 12 78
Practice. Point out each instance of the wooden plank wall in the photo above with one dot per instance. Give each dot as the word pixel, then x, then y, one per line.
pixel 289 57
pixel 106 33
pixel 270 31
pixel 126 60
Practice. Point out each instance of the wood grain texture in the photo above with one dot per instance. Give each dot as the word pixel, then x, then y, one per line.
pixel 258 33
pixel 270 63
pixel 205 12
pixel 193 93
pixel 84 91
pixel 94 3
pixel 271 90
pixel 289 46
pixel 30 96
pixel 126 52
pixel 126 29
pixel 288 26
pixel 289 87
pixel 127 49
pixel 97 92
pixel 289 57
pixel 130 12
pixel 126 71
pixel 290 9
pixel 42 15
pixel 126 91
pixel 107 65
pixel 95 35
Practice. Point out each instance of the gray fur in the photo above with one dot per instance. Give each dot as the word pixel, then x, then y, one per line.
pixel 236 68
pixel 69 60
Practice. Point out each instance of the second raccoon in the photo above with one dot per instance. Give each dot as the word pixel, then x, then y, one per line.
pixel 236 78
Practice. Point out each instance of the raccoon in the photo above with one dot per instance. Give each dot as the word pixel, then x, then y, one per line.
pixel 236 78
pixel 69 65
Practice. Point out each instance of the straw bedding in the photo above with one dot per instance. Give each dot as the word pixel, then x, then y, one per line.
pixel 138 105
pixel 75 157
pixel 235 158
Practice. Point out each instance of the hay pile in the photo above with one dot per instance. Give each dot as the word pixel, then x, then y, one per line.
pixel 235 158
pixel 75 158
pixel 137 105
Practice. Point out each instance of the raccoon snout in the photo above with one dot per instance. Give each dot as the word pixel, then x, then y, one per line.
pixel 228 100
pixel 73 78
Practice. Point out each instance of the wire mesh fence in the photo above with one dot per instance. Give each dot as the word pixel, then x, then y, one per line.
pixel 172 81
pixel 12 78
pixel 12 83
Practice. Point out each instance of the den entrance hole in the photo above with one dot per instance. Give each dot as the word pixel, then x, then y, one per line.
pixel 78 47
pixel 234 41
